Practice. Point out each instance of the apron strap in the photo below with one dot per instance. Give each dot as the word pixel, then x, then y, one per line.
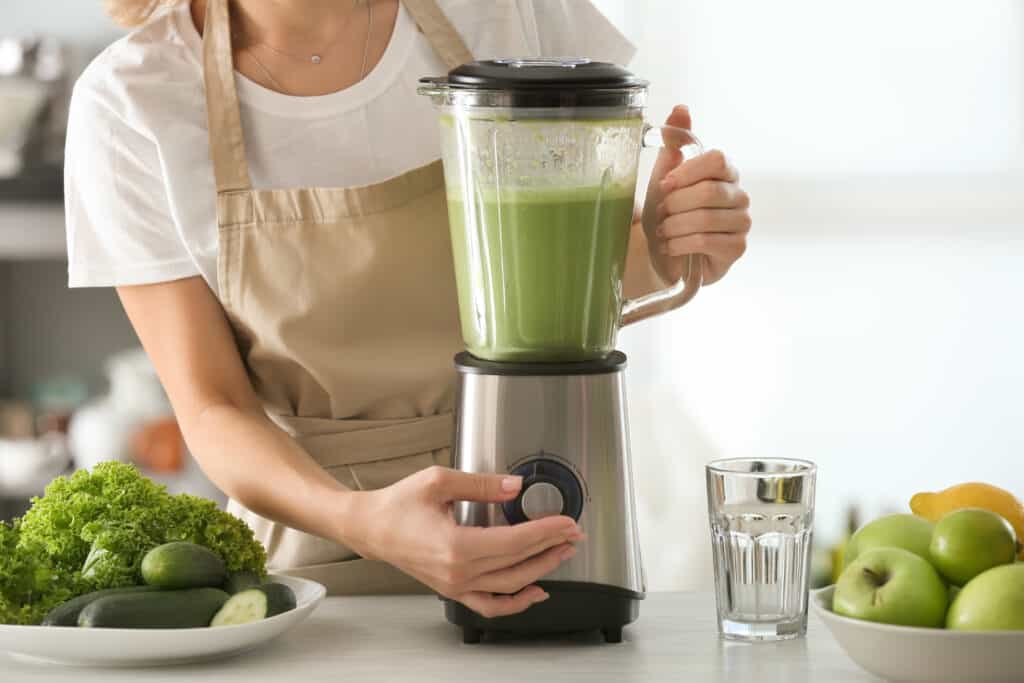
pixel 227 144
pixel 440 33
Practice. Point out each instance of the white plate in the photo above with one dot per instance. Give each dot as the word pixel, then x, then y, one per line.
pixel 155 647
pixel 905 653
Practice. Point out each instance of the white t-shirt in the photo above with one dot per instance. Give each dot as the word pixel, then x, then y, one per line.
pixel 139 188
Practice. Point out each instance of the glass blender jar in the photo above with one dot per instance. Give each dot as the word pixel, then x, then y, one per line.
pixel 540 162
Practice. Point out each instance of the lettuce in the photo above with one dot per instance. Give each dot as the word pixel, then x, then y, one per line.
pixel 29 584
pixel 91 530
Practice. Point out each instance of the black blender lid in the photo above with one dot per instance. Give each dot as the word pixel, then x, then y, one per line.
pixel 467 363
pixel 537 82
pixel 542 73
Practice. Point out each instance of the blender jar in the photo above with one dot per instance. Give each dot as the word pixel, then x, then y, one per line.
pixel 540 161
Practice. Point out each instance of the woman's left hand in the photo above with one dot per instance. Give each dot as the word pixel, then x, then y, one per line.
pixel 694 206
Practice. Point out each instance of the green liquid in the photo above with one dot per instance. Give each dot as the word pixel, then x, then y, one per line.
pixel 539 273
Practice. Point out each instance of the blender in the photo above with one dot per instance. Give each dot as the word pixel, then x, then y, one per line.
pixel 540 162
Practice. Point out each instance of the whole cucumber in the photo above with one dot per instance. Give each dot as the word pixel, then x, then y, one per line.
pixel 241 581
pixel 183 565
pixel 280 598
pixel 66 613
pixel 189 608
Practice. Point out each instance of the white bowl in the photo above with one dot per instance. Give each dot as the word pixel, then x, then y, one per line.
pixel 156 647
pixel 905 653
pixel 28 465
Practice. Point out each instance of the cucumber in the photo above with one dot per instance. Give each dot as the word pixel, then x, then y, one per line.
pixel 280 598
pixel 255 604
pixel 240 581
pixel 189 608
pixel 66 614
pixel 183 565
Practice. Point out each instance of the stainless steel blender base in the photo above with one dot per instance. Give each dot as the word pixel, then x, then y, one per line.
pixel 562 427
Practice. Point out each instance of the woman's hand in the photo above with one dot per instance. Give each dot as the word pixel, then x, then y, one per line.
pixel 694 207
pixel 490 570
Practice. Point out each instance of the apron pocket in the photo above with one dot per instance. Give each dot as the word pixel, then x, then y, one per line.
pixel 370 455
pixel 360 577
pixel 378 474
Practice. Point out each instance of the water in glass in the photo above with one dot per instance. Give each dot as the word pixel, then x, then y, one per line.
pixel 761 516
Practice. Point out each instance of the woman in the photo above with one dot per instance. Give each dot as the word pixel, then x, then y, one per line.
pixel 305 334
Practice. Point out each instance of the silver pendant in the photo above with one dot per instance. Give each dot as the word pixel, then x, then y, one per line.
pixel 315 59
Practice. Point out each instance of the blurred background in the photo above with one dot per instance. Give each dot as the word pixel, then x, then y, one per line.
pixel 875 325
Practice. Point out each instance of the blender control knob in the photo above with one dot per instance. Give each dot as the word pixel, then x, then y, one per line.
pixel 549 488
pixel 542 500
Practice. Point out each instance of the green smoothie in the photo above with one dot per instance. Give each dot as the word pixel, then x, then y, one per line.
pixel 539 272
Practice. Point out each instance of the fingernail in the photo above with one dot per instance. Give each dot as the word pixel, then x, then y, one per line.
pixel 511 484
pixel 567 553
pixel 660 232
pixel 543 596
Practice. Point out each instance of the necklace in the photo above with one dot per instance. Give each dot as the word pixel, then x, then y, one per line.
pixel 316 57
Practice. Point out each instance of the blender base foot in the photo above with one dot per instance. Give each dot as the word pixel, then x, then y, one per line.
pixel 572 607
pixel 612 634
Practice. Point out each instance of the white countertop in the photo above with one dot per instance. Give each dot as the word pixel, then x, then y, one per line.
pixel 366 639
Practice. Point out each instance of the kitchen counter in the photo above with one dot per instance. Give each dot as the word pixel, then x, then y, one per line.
pixel 365 639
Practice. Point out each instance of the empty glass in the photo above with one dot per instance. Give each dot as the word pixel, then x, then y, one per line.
pixel 761 513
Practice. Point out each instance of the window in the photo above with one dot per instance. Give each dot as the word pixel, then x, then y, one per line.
pixel 855 88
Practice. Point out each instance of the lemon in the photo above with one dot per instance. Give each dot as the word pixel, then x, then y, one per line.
pixel 934 506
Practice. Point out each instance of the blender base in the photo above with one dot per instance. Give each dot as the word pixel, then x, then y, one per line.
pixel 573 606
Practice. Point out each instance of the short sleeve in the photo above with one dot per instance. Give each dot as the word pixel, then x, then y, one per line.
pixel 120 227
pixel 577 28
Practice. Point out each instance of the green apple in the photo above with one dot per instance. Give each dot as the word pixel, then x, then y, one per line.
pixel 992 601
pixel 900 530
pixel 966 542
pixel 892 586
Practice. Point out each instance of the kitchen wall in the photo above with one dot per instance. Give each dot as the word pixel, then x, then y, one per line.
pixel 81 22
pixel 47 330
pixel 5 332
pixel 55 331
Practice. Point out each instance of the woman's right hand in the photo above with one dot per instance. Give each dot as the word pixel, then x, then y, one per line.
pixel 490 570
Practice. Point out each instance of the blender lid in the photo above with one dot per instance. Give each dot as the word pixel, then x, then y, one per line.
pixel 538 82
pixel 542 73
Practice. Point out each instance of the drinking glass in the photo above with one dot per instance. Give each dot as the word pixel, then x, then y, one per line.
pixel 761 513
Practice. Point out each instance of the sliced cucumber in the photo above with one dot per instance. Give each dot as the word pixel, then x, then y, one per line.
pixel 242 608
pixel 241 581
pixel 255 604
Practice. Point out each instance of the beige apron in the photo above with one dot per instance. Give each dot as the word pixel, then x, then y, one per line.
pixel 344 308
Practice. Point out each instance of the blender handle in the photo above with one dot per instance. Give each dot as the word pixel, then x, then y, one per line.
pixel 681 292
